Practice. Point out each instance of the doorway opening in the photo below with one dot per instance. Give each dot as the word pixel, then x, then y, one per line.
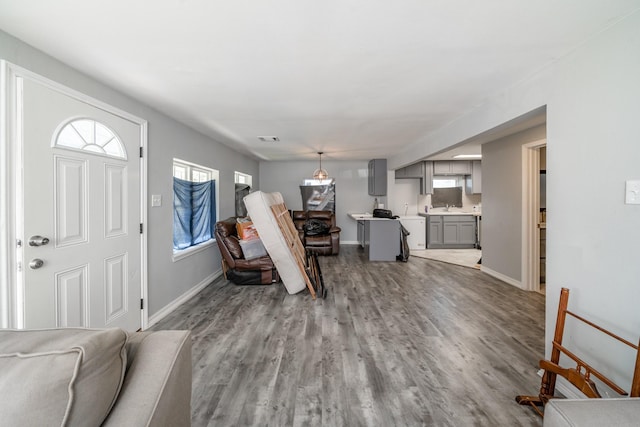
pixel 534 216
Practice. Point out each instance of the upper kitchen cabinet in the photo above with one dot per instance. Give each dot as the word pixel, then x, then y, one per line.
pixel 378 177
pixel 413 171
pixel 422 171
pixel 473 182
pixel 426 183
pixel 454 167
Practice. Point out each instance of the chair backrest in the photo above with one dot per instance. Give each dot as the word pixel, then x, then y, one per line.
pixel 326 216
pixel 227 239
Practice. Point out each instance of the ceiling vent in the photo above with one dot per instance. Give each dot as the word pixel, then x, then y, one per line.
pixel 269 138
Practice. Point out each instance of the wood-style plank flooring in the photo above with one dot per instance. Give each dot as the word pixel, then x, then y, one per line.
pixel 394 344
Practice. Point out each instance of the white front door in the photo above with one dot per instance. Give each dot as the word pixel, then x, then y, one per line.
pixel 81 191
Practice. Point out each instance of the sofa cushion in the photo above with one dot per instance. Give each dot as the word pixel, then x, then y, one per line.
pixel 60 376
pixel 233 245
pixel 619 412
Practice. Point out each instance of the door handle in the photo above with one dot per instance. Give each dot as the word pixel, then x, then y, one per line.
pixel 36 263
pixel 38 241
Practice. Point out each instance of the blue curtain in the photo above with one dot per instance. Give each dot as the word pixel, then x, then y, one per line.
pixel 194 212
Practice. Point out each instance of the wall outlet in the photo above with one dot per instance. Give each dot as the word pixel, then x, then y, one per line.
pixel 156 200
pixel 632 192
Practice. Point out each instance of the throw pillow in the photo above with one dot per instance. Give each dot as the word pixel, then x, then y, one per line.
pixel 67 377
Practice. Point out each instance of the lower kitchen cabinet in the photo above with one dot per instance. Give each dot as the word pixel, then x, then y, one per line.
pixel 451 231
pixel 361 224
pixel 382 239
pixel 434 232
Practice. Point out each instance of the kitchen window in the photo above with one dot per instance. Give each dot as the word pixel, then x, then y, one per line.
pixel 447 182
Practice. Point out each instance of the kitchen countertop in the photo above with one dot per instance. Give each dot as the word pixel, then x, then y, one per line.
pixel 476 213
pixel 366 217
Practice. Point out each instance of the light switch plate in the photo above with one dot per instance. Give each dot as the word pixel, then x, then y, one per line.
pixel 632 192
pixel 156 200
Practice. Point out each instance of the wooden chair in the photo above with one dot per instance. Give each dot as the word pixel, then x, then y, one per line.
pixel 580 376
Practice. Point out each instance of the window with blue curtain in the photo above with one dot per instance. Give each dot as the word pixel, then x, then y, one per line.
pixel 194 206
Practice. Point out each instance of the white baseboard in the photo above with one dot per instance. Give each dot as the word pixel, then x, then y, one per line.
pixel 349 242
pixel 501 276
pixel 169 308
pixel 568 392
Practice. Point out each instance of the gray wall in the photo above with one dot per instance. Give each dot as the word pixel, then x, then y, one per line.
pixel 167 139
pixel 592 105
pixel 502 202
pixel 351 187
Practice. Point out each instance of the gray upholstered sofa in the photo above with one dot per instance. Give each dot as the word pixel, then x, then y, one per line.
pixel 82 377
pixel 592 412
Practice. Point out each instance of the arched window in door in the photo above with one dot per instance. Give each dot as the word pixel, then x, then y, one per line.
pixel 89 135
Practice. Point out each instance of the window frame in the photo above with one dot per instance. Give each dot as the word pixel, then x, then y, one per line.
pixel 211 174
pixel 239 177
pixel 443 179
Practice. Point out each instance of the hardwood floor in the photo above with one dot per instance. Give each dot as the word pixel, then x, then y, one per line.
pixel 394 344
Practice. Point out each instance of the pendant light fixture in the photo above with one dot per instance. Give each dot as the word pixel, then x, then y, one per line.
pixel 320 173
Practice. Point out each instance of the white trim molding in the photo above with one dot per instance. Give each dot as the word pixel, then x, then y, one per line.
pixel 530 261
pixel 500 276
pixel 8 261
pixel 173 305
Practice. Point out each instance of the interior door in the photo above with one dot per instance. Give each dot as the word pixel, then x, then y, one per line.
pixel 81 212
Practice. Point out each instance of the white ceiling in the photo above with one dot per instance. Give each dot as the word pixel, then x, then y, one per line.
pixel 357 79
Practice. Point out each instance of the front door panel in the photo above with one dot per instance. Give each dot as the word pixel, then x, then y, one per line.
pixel 83 194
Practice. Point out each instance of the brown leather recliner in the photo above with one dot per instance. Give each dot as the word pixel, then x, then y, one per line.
pixel 257 271
pixel 324 244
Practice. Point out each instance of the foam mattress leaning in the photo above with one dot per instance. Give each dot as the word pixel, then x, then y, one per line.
pixel 259 209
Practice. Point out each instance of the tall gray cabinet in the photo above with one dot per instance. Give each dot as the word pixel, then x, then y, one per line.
pixel 378 177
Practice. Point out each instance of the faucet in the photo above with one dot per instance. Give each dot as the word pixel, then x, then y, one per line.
pixel 446 208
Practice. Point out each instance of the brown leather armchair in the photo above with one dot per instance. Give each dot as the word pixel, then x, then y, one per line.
pixel 241 271
pixel 325 244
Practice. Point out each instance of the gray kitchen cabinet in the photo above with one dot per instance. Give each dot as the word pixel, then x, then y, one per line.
pixel 361 224
pixel 422 171
pixel 426 184
pixel 453 167
pixel 451 231
pixel 414 171
pixel 377 177
pixel 382 239
pixel 473 182
pixel 434 232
